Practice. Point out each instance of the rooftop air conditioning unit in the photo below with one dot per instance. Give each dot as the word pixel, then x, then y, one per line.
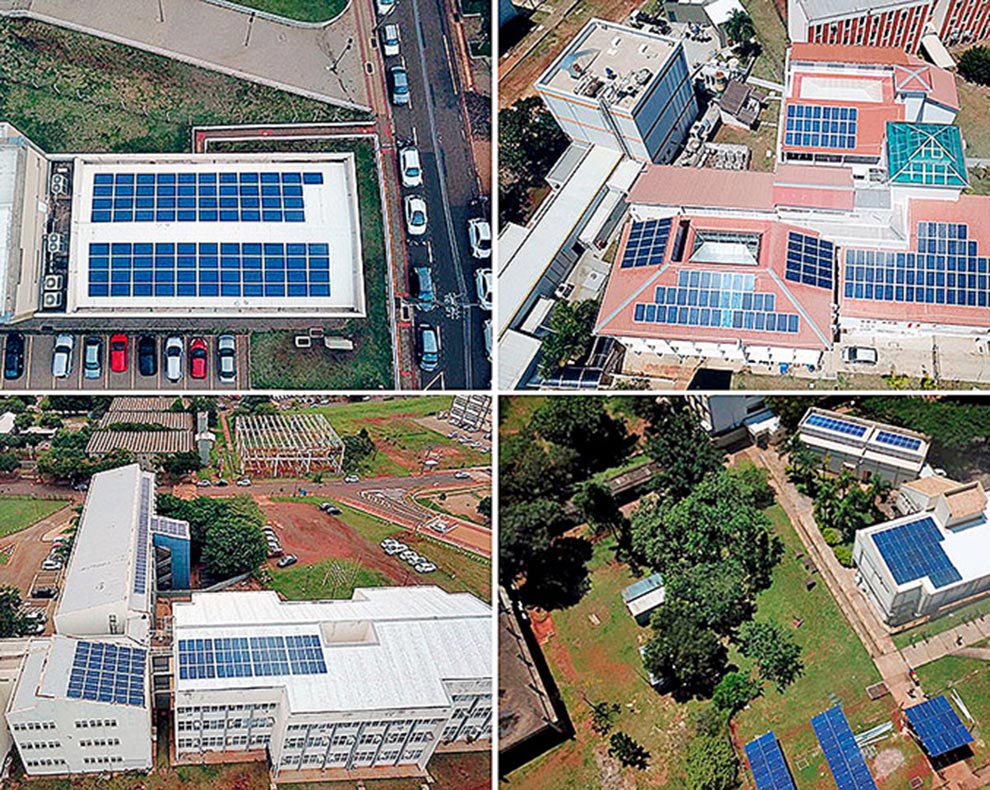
pixel 51 300
pixel 53 282
pixel 56 242
pixel 59 184
pixel 564 290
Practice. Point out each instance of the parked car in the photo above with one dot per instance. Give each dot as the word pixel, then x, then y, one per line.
pixel 13 356
pixel 203 483
pixel 62 356
pixel 427 347
pixel 480 237
pixel 410 168
pixel 275 551
pixel 173 358
pixel 415 560
pixel 404 556
pixel 147 350
pixel 44 592
pixel 352 479
pixel 390 40
pixel 425 567
pixel 93 357
pixel 221 483
pixel 415 215
pixel 396 548
pixel 286 561
pixel 244 482
pixel 424 285
pixel 118 353
pixel 486 330
pixel 226 358
pixel 385 6
pixel 861 355
pixel 330 509
pixel 197 358
pixel 399 78
pixel 51 565
pixel 462 475
pixel 388 543
pixel 483 286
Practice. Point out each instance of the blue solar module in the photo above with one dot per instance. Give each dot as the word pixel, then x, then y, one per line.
pixel 913 551
pixel 845 760
pixel 305 655
pixel 647 243
pixel 898 440
pixel 938 726
pixel 169 526
pixel 107 673
pixel 200 197
pixel 766 761
pixel 209 269
pixel 815 126
pixel 946 269
pixel 809 260
pixel 256 656
pixel 196 659
pixel 836 425
pixel 141 550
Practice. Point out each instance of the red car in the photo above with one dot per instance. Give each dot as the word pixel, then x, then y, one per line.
pixel 197 358
pixel 118 353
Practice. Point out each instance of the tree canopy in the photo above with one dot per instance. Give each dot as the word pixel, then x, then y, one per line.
pixel 570 337
pixel 683 652
pixel 712 764
pixel 13 621
pixel 530 141
pixel 684 450
pixel 234 545
pixel 974 64
pixel 774 650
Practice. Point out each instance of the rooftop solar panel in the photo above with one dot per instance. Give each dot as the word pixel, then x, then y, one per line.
pixel 169 526
pixel 107 673
pixel 938 726
pixel 766 761
pixel 256 656
pixel 141 549
pixel 816 126
pixel 898 440
pixel 810 260
pixel 836 425
pixel 845 760
pixel 647 243
pixel 913 551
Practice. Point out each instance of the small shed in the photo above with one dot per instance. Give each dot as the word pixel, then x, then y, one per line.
pixel 740 105
pixel 642 597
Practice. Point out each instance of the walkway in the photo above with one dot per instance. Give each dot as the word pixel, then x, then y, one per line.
pixel 772 86
pixel 952 642
pixel 323 63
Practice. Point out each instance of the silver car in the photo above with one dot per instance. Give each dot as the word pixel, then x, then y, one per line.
pixel 173 358
pixel 226 359
pixel 62 358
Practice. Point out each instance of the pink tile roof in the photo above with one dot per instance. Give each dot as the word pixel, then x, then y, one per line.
pixel 840 53
pixel 809 186
pixel 944 90
pixel 665 185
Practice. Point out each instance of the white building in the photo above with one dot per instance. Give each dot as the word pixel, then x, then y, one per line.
pixel 729 416
pixel 915 496
pixel 333 688
pixel 913 567
pixel 863 447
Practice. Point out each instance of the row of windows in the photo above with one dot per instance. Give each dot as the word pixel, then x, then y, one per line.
pixel 187 711
pixel 44 763
pixel 220 724
pixel 103 759
pixel 33 725
pixel 39 745
pixel 86 723
pixel 344 725
pixel 100 742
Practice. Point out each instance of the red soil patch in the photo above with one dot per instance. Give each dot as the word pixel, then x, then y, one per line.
pixel 543 627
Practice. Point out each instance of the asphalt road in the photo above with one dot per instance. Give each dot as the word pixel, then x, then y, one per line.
pixel 434 120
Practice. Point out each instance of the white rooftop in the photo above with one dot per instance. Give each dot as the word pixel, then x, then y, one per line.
pixel 384 648
pixel 827 9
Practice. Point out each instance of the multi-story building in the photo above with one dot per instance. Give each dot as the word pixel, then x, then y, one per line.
pixel 623 88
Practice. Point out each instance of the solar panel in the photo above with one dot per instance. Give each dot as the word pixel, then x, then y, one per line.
pixel 256 656
pixel 766 761
pixel 845 760
pixel 898 440
pixel 836 425
pixel 107 673
pixel 141 550
pixel 200 197
pixel 913 551
pixel 209 269
pixel 305 654
pixel 647 243
pixel 945 269
pixel 169 526
pixel 938 726
pixel 817 126
pixel 810 260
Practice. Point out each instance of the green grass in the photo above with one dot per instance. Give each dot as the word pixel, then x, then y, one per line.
pixel 275 361
pixel 68 91
pixel 515 411
pixel 20 512
pixel 324 580
pixel 971 678
pixel 963 614
pixel 301 10
pixel 974 100
pixel 772 35
pixel 352 417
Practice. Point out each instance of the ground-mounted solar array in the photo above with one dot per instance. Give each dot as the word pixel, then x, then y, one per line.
pixel 647 243
pixel 914 550
pixel 938 726
pixel 716 299
pixel 945 270
pixel 766 761
pixel 844 758
pixel 208 269
pixel 817 126
pixel 141 547
pixel 810 260
pixel 256 656
pixel 836 425
pixel 898 440
pixel 107 673
pixel 201 197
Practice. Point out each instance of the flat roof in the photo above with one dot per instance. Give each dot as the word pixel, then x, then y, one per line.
pixel 931 485
pixel 827 9
pixel 221 234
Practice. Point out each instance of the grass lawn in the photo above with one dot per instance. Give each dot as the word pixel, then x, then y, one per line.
pixel 20 512
pixel 979 180
pixel 515 411
pixel 71 92
pixel 302 10
pixel 324 580
pixel 975 104
pixel 772 35
pixel 243 776
pixel 963 614
pixel 971 678
pixel 275 361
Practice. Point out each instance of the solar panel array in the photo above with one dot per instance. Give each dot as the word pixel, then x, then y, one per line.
pixel 836 425
pixel 815 126
pixel 766 761
pixel 200 197
pixel 107 673
pixel 169 526
pixel 945 270
pixel 141 549
pixel 845 760
pixel 898 440
pixel 716 299
pixel 647 243
pixel 913 551
pixel 938 726
pixel 256 656
pixel 809 260
pixel 209 269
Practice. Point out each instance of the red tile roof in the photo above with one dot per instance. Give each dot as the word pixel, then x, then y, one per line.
pixel 841 53
pixel 810 186
pixel 665 185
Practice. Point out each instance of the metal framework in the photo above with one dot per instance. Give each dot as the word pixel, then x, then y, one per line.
pixel 277 445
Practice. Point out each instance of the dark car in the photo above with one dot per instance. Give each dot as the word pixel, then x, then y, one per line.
pixel 285 562
pixel 44 592
pixel 13 356
pixel 147 356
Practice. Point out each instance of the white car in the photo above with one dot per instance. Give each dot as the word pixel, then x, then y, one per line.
pixel 415 215
pixel 62 358
pixel 487 331
pixel 352 479
pixel 425 567
pixel 396 548
pixel 385 6
pixel 480 236
pixel 226 358
pixel 390 40
pixel 173 358
pixel 862 355
pixel 410 168
pixel 483 285
pixel 462 475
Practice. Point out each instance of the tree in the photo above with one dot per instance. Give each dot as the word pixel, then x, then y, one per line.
pixel 603 716
pixel 524 532
pixel 719 593
pixel 70 404
pixel 739 27
pixel 485 508
pixel 676 441
pixel 805 468
pixel 233 545
pixel 9 462
pixel 570 338
pixel 627 751
pixel 530 141
pixel 557 577
pixel 178 464
pixel 734 692
pixel 527 471
pixel 597 506
pixel 773 649
pixel 13 621
pixel 790 409
pixel 23 421
pixel 752 484
pixel 974 64
pixel 358 447
pixel 683 652
pixel 843 504
pixel 712 764
pixel 584 426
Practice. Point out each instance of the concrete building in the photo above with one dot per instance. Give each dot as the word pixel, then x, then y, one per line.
pixel 863 447
pixel 642 598
pixel 622 88
pixel 915 496
pixel 916 566
pixel 705 13
pixel 363 687
pixel 730 418
pixel 740 105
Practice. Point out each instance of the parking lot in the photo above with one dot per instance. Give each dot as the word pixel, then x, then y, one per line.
pixel 39 349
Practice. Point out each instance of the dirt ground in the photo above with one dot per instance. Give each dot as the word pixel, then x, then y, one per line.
pixel 463 504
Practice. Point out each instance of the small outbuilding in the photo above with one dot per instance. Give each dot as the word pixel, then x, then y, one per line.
pixel 642 597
